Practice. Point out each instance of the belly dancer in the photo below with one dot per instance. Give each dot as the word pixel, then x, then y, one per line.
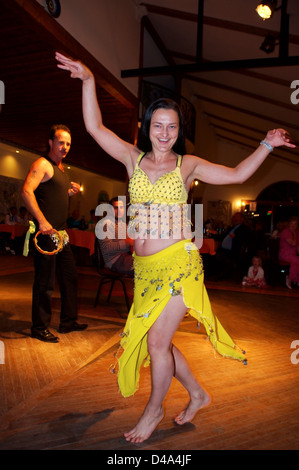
pixel 168 267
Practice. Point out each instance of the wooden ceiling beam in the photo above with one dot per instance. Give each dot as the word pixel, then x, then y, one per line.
pixel 216 22
pixel 246 111
pixel 157 40
pixel 247 94
pixel 57 37
pixel 211 66
pixel 244 144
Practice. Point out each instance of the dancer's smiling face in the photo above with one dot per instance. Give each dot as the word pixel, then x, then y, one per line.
pixel 164 129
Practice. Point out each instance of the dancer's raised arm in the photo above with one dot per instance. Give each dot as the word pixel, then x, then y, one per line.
pixel 108 140
pixel 220 174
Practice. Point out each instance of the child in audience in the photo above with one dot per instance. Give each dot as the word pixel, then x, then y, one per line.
pixel 255 276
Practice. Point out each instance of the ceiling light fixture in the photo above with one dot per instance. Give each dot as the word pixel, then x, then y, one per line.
pixel 266 9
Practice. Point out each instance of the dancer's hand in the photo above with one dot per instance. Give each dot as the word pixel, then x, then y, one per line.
pixel 74 189
pixel 77 69
pixel 279 137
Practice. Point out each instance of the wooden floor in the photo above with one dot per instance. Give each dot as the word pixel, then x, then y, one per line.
pixel 64 397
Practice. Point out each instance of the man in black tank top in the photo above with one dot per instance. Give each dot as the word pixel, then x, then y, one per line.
pixel 46 194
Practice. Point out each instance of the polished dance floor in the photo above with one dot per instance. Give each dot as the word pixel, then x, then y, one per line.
pixel 64 397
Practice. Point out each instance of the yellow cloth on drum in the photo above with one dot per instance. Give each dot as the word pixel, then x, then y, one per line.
pixel 29 232
pixel 176 270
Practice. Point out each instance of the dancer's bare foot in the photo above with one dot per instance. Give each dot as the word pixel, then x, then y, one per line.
pixel 195 404
pixel 145 427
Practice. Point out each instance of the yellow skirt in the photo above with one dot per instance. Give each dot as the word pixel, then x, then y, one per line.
pixel 176 270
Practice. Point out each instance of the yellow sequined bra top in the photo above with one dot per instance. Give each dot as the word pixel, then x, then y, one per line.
pixel 157 210
pixel 168 189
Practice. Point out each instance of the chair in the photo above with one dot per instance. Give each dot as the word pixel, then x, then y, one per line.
pixel 109 276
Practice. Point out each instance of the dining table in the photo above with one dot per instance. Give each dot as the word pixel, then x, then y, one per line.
pixel 17 230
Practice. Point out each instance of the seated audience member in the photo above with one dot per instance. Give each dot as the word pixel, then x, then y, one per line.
pixel 280 226
pixel 23 216
pixel 232 253
pixel 258 240
pixel 116 247
pixel 74 221
pixel 255 276
pixel 92 221
pixel 289 250
pixel 12 217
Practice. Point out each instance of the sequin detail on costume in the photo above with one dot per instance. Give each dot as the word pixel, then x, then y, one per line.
pixel 176 270
pixel 166 276
pixel 168 189
pixel 158 210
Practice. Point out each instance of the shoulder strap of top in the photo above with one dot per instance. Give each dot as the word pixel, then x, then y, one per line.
pixel 140 158
pixel 179 161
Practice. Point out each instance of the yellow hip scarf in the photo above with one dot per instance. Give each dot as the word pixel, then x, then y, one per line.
pixel 176 270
